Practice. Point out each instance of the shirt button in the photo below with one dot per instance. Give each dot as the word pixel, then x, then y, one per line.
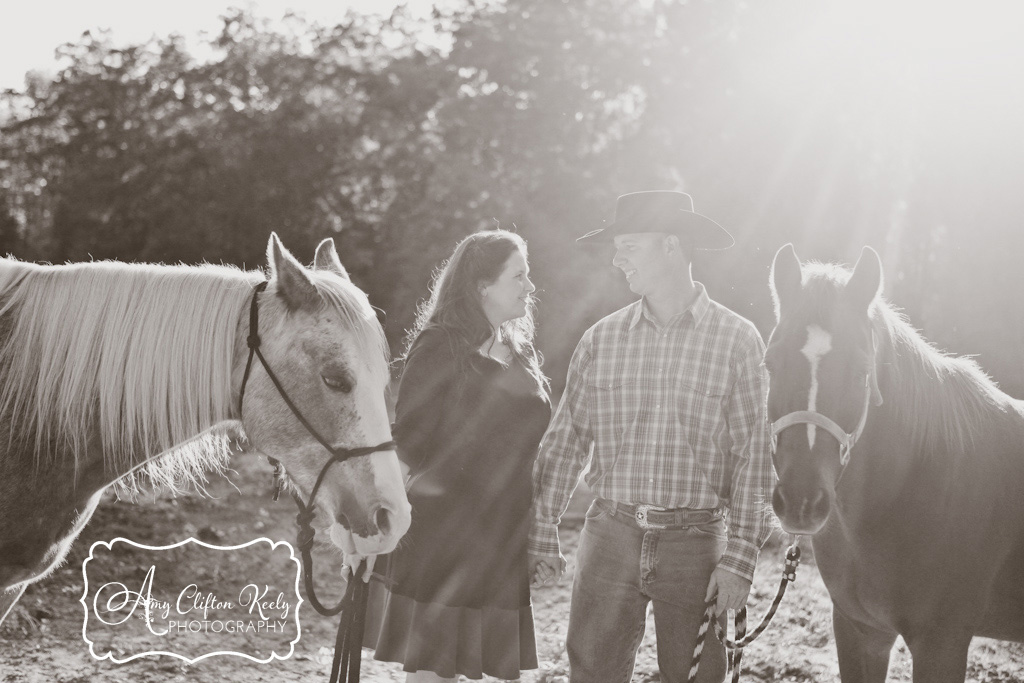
pixel 651 481
pixel 658 406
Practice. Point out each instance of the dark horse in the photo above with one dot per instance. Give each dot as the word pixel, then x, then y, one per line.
pixel 905 464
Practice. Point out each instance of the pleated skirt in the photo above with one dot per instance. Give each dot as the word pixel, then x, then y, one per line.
pixel 450 641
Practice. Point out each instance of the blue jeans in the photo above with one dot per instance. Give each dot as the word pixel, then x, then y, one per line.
pixel 619 569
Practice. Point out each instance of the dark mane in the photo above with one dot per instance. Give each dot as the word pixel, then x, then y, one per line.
pixel 947 401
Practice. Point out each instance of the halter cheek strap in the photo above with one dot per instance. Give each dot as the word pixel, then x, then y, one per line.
pixel 253 340
pixel 846 440
pixel 811 417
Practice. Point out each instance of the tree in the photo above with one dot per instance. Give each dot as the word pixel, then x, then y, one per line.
pixel 786 122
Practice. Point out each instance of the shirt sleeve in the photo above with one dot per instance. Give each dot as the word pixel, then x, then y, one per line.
pixel 749 519
pixel 564 452
pixel 428 375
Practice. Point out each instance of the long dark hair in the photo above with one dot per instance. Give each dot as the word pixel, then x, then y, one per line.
pixel 455 302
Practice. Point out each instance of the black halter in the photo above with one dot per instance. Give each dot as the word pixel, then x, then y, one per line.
pixel 350 631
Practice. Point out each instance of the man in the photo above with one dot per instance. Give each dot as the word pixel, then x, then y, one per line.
pixel 665 400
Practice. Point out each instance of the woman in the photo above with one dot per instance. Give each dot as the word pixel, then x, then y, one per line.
pixel 472 407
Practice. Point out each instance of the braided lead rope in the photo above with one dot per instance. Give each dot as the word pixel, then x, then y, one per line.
pixel 788 577
pixel 736 654
pixel 698 649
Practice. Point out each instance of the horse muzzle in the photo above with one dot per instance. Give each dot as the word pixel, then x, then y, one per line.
pixel 801 512
pixel 381 535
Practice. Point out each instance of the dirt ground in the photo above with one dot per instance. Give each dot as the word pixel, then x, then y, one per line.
pixel 43 641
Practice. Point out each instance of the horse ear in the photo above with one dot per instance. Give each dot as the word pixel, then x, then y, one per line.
pixel 785 276
pixel 293 283
pixel 327 259
pixel 866 282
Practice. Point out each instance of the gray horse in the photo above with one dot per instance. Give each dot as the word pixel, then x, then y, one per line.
pixel 112 373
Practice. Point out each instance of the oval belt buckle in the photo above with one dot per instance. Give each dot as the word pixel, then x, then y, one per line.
pixel 641 515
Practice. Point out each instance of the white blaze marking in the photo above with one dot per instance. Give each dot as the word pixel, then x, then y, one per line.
pixel 819 342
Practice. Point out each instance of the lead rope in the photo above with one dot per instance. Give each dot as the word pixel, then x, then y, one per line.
pixel 735 648
pixel 736 654
pixel 349 639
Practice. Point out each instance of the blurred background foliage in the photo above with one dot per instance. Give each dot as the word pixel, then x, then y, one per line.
pixel 827 124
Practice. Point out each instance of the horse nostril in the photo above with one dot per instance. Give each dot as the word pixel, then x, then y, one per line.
pixel 383 519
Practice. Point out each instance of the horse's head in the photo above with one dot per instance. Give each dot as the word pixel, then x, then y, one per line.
pixel 321 339
pixel 821 364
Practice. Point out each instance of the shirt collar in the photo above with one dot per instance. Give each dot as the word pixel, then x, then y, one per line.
pixel 697 310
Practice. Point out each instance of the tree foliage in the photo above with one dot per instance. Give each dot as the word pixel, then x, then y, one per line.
pixel 400 135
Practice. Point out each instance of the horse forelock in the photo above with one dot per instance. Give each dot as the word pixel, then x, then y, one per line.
pixel 944 400
pixel 357 316
pixel 136 356
pixel 821 288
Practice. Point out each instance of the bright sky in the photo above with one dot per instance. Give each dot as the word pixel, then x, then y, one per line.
pixel 32 29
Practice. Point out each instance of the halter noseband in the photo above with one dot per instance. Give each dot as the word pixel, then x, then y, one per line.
pixel 847 440
pixel 306 513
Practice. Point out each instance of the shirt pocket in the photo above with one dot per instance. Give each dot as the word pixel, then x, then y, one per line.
pixel 612 399
pixel 614 395
pixel 700 410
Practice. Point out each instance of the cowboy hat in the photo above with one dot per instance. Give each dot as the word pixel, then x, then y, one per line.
pixel 661 211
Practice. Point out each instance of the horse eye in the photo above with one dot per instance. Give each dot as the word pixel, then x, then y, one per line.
pixel 337 383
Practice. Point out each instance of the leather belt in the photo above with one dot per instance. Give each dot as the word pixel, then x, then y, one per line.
pixel 654 517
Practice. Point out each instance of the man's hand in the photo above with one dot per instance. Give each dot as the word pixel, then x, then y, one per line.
pixel 545 570
pixel 732 590
pixel 351 563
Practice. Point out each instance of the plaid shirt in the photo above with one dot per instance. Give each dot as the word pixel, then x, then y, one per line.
pixel 672 416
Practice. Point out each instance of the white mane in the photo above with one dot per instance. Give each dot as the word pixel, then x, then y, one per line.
pixel 139 356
